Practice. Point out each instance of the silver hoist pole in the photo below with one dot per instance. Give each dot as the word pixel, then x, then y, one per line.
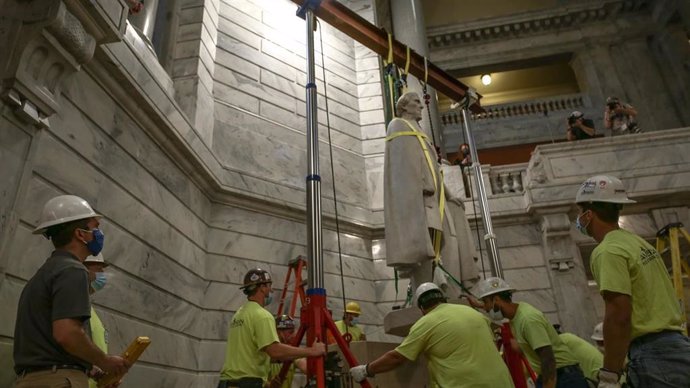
pixel 490 237
pixel 314 233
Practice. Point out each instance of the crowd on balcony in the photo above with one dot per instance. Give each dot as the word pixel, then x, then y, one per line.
pixel 620 118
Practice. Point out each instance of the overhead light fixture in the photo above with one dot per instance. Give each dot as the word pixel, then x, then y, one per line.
pixel 486 79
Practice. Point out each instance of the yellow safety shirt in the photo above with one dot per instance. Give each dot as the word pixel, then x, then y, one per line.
pixel 99 336
pixel 355 331
pixel 533 331
pixel 275 369
pixel 252 329
pixel 625 263
pixel 586 354
pixel 459 346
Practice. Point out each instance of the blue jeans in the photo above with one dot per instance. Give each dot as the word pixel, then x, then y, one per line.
pixel 568 377
pixel 659 360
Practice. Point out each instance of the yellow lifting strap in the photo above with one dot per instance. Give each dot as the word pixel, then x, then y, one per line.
pixel 430 163
pixel 390 49
pixel 389 76
pixel 407 70
pixel 439 233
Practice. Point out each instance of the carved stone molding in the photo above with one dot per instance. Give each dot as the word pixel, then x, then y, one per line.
pixel 46 41
pixel 537 22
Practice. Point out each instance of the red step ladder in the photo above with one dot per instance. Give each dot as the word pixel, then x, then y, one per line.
pixel 295 266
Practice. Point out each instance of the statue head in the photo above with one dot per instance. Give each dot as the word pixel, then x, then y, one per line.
pixel 409 106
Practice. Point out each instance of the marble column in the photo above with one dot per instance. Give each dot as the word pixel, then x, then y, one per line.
pixel 567 274
pixel 410 29
pixel 672 54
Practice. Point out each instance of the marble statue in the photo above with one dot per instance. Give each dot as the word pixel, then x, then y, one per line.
pixel 412 188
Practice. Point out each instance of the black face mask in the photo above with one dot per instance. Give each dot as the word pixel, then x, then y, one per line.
pixel 465 151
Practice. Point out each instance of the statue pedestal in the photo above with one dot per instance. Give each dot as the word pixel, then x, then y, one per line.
pixel 399 322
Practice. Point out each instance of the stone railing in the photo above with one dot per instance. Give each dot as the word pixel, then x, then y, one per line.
pixel 499 180
pixel 519 109
pixel 532 22
pixel 508 179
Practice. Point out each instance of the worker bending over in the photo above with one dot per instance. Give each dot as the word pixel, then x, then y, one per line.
pixel 253 340
pixel 586 354
pixel 550 358
pixel 456 340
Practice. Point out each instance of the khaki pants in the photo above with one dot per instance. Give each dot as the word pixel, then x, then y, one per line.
pixel 60 378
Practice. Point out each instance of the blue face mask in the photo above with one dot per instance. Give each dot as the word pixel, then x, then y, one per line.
pixel 99 282
pixel 581 228
pixel 268 300
pixel 355 321
pixel 95 246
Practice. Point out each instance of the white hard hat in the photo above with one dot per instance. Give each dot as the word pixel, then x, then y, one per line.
pixel 63 209
pixel 602 188
pixel 598 334
pixel 96 259
pixel 424 288
pixel 491 286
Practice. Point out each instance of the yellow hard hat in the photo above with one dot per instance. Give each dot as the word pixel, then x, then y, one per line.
pixel 353 308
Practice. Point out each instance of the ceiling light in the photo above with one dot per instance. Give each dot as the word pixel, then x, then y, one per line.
pixel 486 79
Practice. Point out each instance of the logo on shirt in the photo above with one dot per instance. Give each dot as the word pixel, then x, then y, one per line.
pixel 237 323
pixel 648 255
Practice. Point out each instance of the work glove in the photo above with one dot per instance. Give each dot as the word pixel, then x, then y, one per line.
pixel 608 379
pixel 359 373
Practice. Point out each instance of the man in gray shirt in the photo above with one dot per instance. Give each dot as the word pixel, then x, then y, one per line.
pixel 50 344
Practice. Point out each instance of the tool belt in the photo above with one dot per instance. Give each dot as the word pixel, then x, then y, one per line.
pixel 245 382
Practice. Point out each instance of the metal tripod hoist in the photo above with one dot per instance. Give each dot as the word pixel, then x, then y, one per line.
pixel 668 237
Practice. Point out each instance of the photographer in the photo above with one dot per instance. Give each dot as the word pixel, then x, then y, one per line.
pixel 580 128
pixel 620 118
pixel 463 159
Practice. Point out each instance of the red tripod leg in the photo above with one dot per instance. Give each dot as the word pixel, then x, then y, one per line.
pixel 296 340
pixel 342 344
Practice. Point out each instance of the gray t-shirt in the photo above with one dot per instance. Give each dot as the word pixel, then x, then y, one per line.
pixel 58 290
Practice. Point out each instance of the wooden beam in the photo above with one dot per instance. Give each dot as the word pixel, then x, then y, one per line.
pixel 376 39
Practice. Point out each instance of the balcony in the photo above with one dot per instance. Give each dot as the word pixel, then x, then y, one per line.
pixel 534 121
pixel 654 166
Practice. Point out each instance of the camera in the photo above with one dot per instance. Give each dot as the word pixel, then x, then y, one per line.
pixel 572 120
pixel 612 105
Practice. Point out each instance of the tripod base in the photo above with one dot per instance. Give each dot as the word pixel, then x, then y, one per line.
pixel 316 322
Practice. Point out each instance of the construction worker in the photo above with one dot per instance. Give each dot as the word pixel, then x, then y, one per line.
pixel 50 343
pixel 253 340
pixel 642 316
pixel 286 330
pixel 598 336
pixel 456 340
pixel 349 323
pixel 99 335
pixel 550 358
pixel 586 354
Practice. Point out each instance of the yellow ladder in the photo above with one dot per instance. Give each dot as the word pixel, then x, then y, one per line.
pixel 668 238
